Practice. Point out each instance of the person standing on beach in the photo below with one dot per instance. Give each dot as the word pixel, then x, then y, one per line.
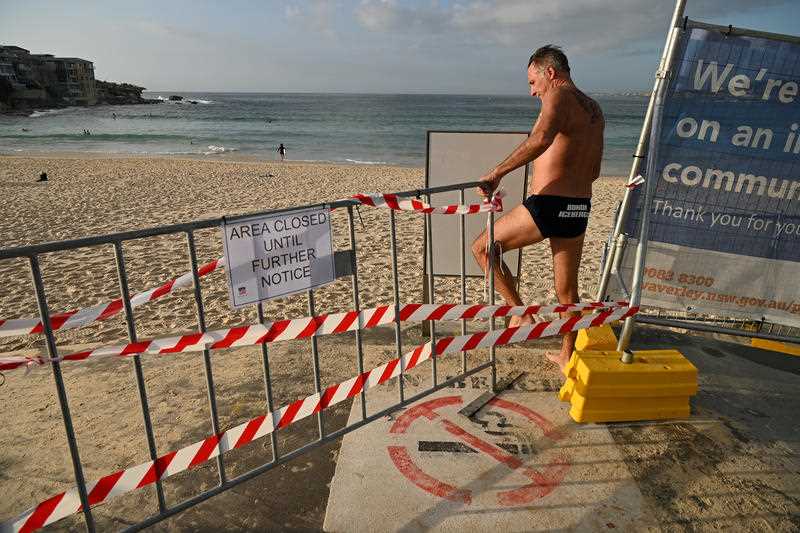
pixel 282 151
pixel 566 147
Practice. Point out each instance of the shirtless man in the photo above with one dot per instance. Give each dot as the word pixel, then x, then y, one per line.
pixel 565 145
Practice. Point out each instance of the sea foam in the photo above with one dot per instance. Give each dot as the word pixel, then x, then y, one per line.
pixel 47 112
pixel 185 100
pixel 358 162
pixel 213 149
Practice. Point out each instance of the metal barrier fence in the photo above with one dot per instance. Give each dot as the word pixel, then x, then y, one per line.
pixel 33 253
pixel 618 240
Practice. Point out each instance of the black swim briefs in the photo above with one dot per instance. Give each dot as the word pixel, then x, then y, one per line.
pixel 559 216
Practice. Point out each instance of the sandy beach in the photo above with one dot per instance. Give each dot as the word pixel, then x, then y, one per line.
pixel 92 196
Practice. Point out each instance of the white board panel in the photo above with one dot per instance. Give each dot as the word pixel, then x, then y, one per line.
pixel 458 157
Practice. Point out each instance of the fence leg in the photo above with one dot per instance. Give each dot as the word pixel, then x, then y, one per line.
pixel 273 439
pixel 357 307
pixel 315 355
pixel 396 284
pixel 492 356
pixel 52 352
pixel 462 234
pixel 431 294
pixel 137 364
pixel 201 322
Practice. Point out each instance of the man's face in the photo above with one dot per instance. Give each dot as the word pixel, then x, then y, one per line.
pixel 539 82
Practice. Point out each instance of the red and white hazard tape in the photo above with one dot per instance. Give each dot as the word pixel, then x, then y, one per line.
pixel 392 201
pixel 301 328
pixel 82 317
pixel 123 481
pixel 634 181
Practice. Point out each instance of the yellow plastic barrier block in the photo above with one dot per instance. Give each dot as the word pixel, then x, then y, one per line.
pixel 628 409
pixel 601 388
pixel 775 346
pixel 599 338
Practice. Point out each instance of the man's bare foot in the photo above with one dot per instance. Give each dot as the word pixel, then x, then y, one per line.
pixel 561 359
pixel 518 321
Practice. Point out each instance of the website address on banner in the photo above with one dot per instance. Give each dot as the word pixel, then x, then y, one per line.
pixel 712 296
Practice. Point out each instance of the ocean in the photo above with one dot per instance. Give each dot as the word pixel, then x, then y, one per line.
pixel 338 128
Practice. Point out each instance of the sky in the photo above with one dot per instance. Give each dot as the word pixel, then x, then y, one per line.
pixel 366 46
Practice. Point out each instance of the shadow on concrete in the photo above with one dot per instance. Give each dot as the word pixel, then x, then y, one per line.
pixel 741 472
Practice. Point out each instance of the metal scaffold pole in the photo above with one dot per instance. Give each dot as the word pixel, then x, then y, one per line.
pixel 641 147
pixel 655 108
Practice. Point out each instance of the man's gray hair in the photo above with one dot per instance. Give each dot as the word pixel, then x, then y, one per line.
pixel 549 55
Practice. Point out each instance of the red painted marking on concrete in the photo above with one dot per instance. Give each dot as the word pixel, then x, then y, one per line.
pixel 406 466
pixel 426 409
pixel 543 482
pixel 548 427
pixel 481 445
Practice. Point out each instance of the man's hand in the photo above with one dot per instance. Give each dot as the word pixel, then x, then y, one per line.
pixel 489 183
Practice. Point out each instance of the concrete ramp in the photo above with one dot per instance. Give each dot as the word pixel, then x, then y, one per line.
pixel 519 464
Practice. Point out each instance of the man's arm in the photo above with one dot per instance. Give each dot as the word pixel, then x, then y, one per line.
pixel 551 121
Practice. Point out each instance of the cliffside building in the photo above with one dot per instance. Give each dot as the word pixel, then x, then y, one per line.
pixel 36 77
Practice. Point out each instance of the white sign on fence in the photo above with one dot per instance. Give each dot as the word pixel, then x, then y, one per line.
pixel 277 255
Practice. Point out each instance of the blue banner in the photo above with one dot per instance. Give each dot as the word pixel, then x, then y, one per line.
pixel 728 163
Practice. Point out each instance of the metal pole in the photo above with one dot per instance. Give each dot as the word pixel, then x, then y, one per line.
pixel 201 323
pixel 429 261
pixel 622 241
pixel 396 284
pixel 137 364
pixel 463 239
pixel 273 439
pixel 492 357
pixel 615 254
pixel 606 274
pixel 641 147
pixel 357 307
pixel 52 352
pixel 650 187
pixel 315 356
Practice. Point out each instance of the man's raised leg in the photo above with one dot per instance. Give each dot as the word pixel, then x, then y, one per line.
pixel 566 262
pixel 514 230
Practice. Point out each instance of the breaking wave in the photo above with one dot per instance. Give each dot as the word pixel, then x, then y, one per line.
pixel 47 112
pixel 359 162
pixel 214 149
